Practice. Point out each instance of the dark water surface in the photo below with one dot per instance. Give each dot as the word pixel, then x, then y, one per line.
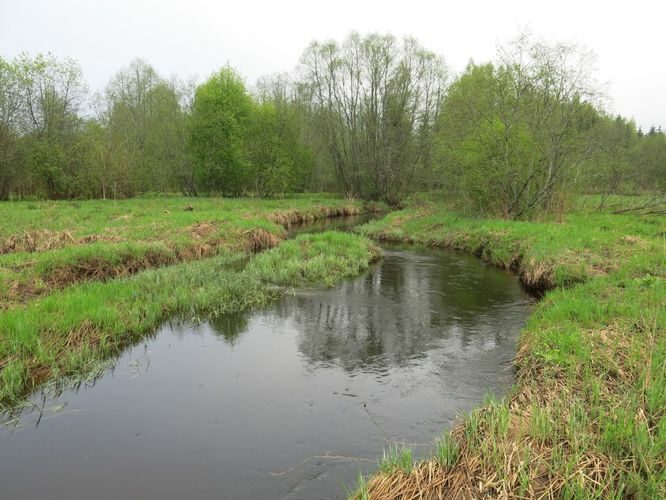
pixel 280 402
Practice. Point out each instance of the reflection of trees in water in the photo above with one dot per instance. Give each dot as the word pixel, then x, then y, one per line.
pixel 410 303
pixel 407 305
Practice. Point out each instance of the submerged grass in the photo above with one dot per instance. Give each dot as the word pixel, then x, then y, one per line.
pixel 587 416
pixel 77 304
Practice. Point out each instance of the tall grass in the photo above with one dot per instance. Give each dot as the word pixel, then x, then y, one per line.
pixel 52 245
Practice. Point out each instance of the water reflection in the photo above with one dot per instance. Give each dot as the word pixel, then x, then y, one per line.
pixel 345 223
pixel 411 302
pixel 229 327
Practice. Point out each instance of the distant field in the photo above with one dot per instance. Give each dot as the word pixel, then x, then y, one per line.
pixel 144 218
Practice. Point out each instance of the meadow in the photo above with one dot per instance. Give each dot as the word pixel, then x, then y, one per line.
pixel 80 281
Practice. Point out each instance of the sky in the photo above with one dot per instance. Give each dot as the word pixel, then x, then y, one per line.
pixel 196 37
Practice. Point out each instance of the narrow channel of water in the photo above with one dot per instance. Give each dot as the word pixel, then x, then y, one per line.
pixel 290 401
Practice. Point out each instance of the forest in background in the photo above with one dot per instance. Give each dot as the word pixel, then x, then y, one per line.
pixel 371 117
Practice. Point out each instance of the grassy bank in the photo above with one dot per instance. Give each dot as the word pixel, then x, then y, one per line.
pixel 51 245
pixel 96 298
pixel 587 416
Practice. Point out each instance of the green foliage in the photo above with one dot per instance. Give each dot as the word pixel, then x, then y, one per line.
pixel 40 102
pixel 372 102
pixel 397 458
pixel 321 258
pixel 219 119
pixel 141 146
pixel 511 134
pixel 280 162
pixel 11 99
pixel 447 451
pixel 241 145
pixel 371 116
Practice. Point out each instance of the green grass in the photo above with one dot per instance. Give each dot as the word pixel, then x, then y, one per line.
pixel 89 301
pixel 68 330
pixel 321 258
pixel 546 254
pixel 396 458
pixel 147 218
pixel 587 416
pixel 50 245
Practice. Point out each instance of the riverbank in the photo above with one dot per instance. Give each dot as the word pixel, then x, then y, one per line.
pixel 81 281
pixel 587 416
pixel 48 246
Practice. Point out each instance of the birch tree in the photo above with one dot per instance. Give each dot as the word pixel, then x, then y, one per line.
pixel 373 101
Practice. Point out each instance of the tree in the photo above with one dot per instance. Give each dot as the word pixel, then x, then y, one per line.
pixel 514 135
pixel 53 92
pixel 220 112
pixel 610 168
pixel 373 102
pixel 146 121
pixel 278 139
pixel 11 100
pixel 648 158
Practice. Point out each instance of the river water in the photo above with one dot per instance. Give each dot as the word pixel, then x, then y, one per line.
pixel 290 401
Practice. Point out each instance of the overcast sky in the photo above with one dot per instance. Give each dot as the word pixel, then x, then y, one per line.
pixel 196 37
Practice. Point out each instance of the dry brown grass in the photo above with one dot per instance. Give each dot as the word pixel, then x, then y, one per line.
pixel 517 463
pixel 41 240
pixel 100 269
pixel 256 240
pixel 520 468
pixel 426 481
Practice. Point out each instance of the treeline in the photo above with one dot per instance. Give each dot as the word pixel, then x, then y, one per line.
pixel 528 133
pixel 371 117
pixel 143 134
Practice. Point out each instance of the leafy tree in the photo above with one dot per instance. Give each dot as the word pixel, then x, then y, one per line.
pixel 219 119
pixel 513 136
pixel 53 92
pixel 11 100
pixel 277 139
pixel 610 168
pixel 370 117
pixel 147 130
pixel 648 158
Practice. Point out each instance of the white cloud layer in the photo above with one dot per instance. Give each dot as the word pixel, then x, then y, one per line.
pixel 196 37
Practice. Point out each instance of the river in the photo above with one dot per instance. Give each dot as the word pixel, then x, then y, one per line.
pixel 289 401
